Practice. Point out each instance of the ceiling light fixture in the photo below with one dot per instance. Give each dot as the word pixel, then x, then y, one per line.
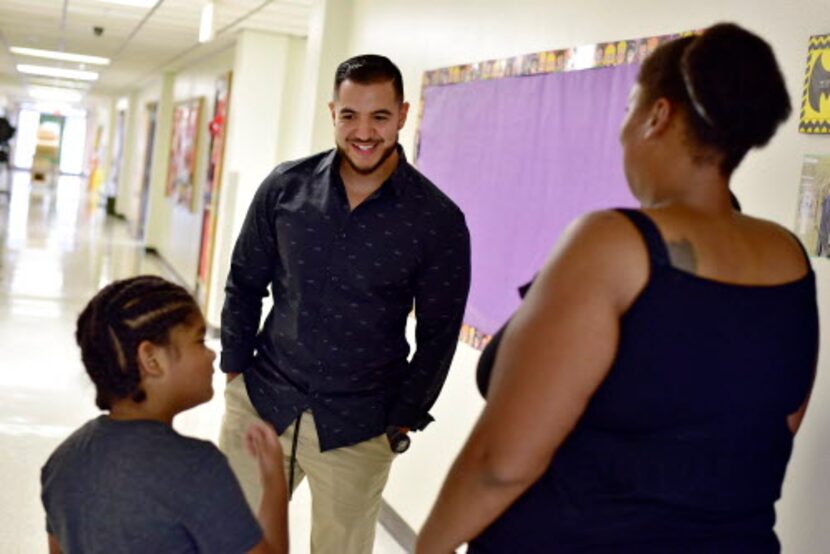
pixel 132 3
pixel 59 83
pixel 57 72
pixel 63 56
pixel 206 22
pixel 50 94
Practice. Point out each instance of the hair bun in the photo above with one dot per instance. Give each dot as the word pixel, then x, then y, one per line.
pixel 735 80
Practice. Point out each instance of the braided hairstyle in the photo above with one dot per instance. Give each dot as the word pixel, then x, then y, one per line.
pixel 119 318
pixel 728 86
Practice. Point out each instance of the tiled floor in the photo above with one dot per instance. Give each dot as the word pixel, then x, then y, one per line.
pixel 56 251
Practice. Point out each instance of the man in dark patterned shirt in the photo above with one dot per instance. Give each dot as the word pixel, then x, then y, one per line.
pixel 347 240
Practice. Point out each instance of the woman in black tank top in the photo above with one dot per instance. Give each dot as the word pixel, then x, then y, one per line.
pixel 645 395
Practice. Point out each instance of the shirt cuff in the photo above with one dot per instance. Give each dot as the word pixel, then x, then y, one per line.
pixel 403 415
pixel 235 362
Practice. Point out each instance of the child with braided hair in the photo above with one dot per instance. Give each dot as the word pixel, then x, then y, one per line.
pixel 126 481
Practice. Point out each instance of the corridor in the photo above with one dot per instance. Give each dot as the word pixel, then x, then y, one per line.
pixel 56 250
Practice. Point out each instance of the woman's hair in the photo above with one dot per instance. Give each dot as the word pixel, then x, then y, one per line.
pixel 728 86
pixel 119 318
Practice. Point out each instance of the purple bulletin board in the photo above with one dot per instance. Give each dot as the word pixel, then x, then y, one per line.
pixel 523 153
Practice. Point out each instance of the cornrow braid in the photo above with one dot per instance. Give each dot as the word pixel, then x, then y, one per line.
pixel 119 318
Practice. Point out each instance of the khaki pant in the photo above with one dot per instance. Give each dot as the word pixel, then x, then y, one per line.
pixel 346 483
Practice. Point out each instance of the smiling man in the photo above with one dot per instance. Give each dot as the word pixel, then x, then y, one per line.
pixel 347 240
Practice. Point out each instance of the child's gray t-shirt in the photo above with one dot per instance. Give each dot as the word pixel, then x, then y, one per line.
pixel 139 486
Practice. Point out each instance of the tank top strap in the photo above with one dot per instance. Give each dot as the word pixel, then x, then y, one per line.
pixel 657 253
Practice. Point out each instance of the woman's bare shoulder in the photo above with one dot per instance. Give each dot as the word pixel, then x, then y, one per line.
pixel 777 243
pixel 603 251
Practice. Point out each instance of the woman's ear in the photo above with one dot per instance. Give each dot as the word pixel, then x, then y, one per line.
pixel 659 118
pixel 148 359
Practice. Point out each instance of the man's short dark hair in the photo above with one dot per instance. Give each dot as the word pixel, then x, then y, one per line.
pixel 369 69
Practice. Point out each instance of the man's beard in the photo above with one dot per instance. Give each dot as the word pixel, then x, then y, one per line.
pixel 364 171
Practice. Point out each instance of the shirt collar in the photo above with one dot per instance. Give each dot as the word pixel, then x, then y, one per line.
pixel 396 182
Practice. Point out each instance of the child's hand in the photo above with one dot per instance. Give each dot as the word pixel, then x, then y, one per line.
pixel 263 444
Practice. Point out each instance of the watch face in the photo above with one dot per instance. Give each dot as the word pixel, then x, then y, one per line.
pixel 401 444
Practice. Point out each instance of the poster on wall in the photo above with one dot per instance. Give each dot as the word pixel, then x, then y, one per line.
pixel 815 102
pixel 181 182
pixel 812 222
pixel 217 128
pixel 531 142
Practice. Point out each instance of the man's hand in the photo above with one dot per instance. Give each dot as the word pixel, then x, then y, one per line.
pixel 231 376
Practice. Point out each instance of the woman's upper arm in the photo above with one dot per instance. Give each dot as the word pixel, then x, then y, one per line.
pixel 265 548
pixel 54 545
pixel 261 548
pixel 560 344
pixel 794 419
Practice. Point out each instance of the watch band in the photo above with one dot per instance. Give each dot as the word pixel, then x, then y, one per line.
pixel 398 440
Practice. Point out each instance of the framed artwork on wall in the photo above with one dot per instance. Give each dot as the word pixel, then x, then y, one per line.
pixel 815 102
pixel 184 147
pixel 217 130
pixel 812 220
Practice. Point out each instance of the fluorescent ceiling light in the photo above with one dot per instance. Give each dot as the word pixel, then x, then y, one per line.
pixel 133 3
pixel 206 23
pixel 60 83
pixel 63 56
pixel 47 71
pixel 51 94
pixel 64 108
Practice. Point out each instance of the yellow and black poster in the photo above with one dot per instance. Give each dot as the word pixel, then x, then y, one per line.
pixel 815 104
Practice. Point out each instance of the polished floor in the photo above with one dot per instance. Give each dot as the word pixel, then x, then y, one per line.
pixel 56 250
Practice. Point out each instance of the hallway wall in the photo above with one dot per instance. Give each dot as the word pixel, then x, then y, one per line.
pixel 184 223
pixel 134 169
pixel 265 123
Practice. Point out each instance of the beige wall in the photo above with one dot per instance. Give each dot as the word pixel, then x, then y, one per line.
pixel 134 169
pixel 98 115
pixel 174 229
pixel 266 96
pixel 129 188
pixel 437 33
pixel 293 143
pixel 267 124
pixel 124 194
pixel 328 39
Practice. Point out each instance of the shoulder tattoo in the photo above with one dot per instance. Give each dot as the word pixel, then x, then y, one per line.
pixel 682 255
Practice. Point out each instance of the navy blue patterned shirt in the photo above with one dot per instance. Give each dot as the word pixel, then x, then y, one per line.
pixel 343 283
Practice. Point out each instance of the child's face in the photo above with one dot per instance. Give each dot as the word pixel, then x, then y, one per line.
pixel 190 364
